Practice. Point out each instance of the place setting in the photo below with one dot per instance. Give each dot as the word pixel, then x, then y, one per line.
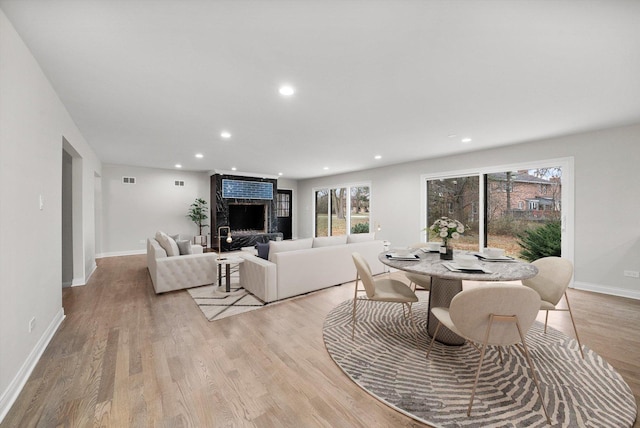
pixel 402 254
pixel 465 263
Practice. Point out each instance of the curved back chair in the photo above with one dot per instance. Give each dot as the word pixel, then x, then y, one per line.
pixel 415 279
pixel 551 282
pixel 496 314
pixel 381 290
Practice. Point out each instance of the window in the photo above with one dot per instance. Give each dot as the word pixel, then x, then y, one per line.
pixel 322 210
pixel 283 204
pixel 502 204
pixel 359 214
pixel 342 210
pixel 456 198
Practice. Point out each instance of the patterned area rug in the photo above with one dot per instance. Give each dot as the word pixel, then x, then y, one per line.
pixel 383 360
pixel 215 303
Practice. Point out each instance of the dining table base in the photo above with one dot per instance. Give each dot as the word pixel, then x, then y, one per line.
pixel 441 294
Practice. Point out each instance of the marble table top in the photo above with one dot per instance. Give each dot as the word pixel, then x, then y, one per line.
pixel 430 264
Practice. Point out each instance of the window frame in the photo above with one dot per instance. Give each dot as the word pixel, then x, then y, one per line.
pixel 567 208
pixel 348 186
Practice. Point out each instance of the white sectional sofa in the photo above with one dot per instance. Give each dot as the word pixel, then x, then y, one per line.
pixel 304 265
pixel 171 271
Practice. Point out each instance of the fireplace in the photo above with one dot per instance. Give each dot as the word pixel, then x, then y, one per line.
pixel 248 218
pixel 245 207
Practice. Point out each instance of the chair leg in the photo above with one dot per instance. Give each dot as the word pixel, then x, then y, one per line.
pixel 413 323
pixel 353 313
pixel 484 349
pixel 533 372
pixel 433 339
pixel 575 330
pixel 546 319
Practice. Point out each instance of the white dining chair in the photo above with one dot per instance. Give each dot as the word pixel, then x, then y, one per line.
pixel 551 282
pixel 381 290
pixel 496 314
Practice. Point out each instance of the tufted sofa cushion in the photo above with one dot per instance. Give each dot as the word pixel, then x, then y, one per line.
pixel 176 273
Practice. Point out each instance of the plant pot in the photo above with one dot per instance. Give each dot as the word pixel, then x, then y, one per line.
pixel 200 240
pixel 446 252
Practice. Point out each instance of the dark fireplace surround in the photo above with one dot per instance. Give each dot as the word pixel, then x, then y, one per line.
pixel 251 220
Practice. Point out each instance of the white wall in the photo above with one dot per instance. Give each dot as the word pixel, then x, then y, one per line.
pixel 607 203
pixel 133 212
pixel 33 123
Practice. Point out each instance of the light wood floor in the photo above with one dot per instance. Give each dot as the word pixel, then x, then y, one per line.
pixel 127 357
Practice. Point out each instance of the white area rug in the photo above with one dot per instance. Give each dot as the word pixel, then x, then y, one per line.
pixel 215 303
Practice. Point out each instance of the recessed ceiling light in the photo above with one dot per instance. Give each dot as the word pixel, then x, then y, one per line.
pixel 199 155
pixel 178 165
pixel 452 135
pixel 280 173
pixel 325 168
pixel 466 140
pixel 225 134
pixel 377 157
pixel 286 90
pixel 233 168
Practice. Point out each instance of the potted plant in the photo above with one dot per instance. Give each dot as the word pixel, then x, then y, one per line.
pixel 198 214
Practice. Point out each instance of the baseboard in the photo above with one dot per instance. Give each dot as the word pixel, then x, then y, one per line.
pixel 121 253
pixel 597 288
pixel 77 281
pixel 10 395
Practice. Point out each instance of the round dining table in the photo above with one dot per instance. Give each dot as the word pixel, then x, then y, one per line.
pixel 446 283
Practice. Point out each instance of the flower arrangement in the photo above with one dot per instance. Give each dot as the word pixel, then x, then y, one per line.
pixel 447 228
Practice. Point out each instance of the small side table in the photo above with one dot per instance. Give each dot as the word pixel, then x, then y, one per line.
pixel 231 265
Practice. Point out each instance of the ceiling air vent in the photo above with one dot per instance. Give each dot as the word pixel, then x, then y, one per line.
pixel 179 183
pixel 128 180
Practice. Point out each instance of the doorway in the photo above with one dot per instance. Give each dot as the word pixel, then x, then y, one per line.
pixel 284 204
pixel 67 219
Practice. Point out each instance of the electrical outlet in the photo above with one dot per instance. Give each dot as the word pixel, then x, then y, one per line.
pixel 632 273
pixel 32 324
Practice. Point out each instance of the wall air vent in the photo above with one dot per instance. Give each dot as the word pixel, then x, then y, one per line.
pixel 179 183
pixel 128 180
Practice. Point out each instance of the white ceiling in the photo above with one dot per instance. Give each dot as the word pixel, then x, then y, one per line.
pixel 152 83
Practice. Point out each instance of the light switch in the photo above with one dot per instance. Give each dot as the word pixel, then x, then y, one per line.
pixel 41 203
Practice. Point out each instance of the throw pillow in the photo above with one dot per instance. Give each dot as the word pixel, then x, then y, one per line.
pixel 361 237
pixel 329 241
pixel 168 244
pixel 263 250
pixel 184 246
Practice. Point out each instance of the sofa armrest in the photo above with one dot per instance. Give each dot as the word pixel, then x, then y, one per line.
pixel 196 249
pixel 258 276
pixel 179 272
